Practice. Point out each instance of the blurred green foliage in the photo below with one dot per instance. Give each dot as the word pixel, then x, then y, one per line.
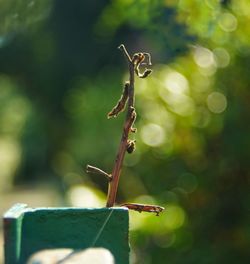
pixel 60 73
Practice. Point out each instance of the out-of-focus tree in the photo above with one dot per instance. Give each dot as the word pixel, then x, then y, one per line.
pixel 60 74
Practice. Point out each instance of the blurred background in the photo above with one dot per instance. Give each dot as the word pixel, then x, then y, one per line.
pixel 61 73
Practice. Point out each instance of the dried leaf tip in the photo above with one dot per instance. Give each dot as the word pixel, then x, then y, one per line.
pixel 146 73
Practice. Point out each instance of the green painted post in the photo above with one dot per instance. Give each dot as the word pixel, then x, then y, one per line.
pixel 12 233
pixel 30 230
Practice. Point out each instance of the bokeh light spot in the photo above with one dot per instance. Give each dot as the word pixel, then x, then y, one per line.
pixel 176 82
pixel 222 57
pixel 82 196
pixel 176 217
pixel 241 8
pixel 153 135
pixel 216 102
pixel 228 22
pixel 204 57
pixel 181 104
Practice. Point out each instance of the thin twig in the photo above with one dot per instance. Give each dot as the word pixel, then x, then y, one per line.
pixel 95 170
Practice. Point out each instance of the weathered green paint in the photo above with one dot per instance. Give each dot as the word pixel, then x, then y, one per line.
pixel 29 230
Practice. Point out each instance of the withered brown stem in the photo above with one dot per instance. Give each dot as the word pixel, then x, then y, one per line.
pixel 126 144
pixel 130 118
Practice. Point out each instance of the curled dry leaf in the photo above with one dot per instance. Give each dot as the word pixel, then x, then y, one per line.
pixel 138 60
pixel 144 208
pixel 120 106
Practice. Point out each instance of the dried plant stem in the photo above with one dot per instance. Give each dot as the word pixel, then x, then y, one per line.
pixel 130 117
pixel 127 144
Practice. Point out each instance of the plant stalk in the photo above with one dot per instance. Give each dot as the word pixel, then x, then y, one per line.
pixel 113 184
